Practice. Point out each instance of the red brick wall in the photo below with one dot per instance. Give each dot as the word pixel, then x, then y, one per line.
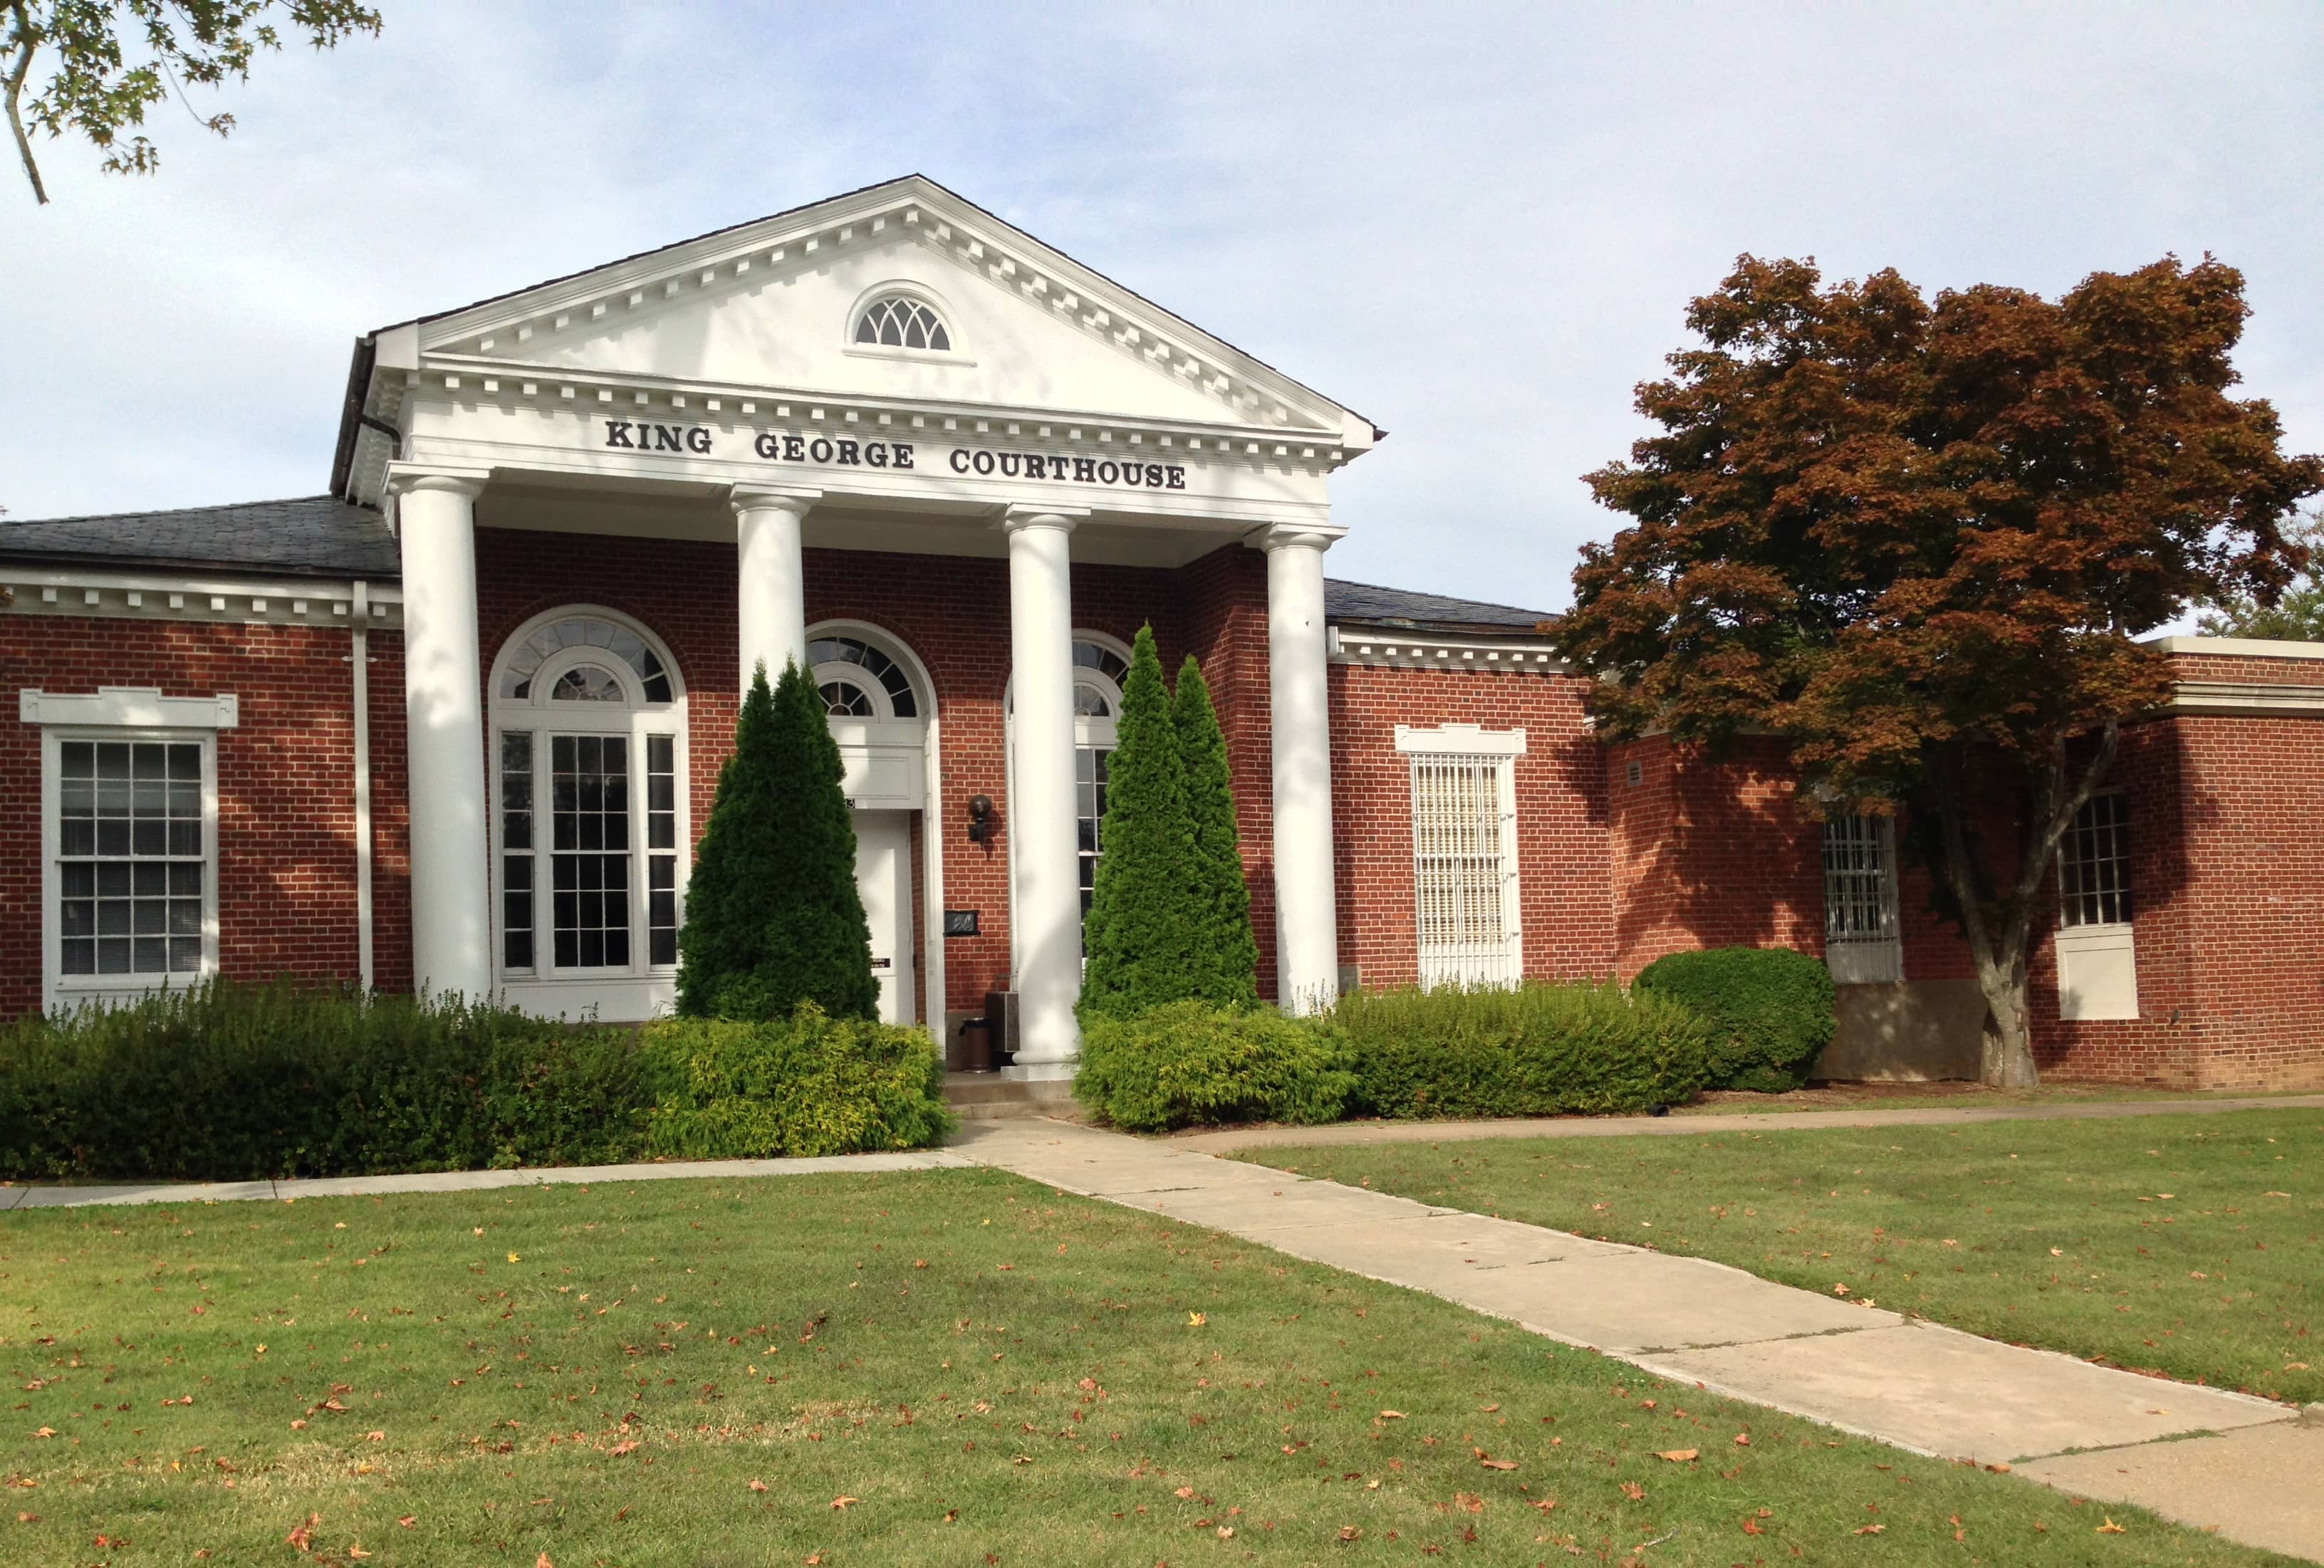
pixel 1709 855
pixel 954 613
pixel 285 778
pixel 2227 910
pixel 1563 876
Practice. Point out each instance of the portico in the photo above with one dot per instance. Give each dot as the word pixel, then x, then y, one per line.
pixel 717 409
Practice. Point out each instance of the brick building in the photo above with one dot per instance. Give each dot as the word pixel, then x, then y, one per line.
pixel 456 723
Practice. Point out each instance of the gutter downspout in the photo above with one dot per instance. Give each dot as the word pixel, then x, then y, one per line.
pixel 360 658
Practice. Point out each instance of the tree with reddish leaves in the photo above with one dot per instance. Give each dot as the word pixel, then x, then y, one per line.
pixel 1917 541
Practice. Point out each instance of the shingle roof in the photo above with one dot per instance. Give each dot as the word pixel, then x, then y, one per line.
pixel 311 536
pixel 1396 607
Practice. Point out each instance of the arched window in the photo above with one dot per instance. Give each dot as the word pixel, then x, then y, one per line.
pixel 589 817
pixel 900 321
pixel 857 680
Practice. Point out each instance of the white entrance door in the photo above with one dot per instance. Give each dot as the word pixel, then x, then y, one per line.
pixel 883 876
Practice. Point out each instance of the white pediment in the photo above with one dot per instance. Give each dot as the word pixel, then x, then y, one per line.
pixel 773 306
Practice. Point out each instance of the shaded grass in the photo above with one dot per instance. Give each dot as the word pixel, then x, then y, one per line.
pixel 993 1372
pixel 2191 1246
pixel 1949 1095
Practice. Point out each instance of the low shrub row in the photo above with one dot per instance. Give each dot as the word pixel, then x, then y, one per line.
pixel 1734 1018
pixel 1769 1009
pixel 228 1081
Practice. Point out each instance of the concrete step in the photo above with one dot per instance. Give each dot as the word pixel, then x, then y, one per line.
pixel 989 1097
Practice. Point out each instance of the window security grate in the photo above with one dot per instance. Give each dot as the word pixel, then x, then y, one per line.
pixel 1463 869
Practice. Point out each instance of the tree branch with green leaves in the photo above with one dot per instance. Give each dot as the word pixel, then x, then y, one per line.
pixel 109 61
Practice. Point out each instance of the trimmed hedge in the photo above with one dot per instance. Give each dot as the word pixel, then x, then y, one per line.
pixel 807 1085
pixel 1769 1009
pixel 1538 1050
pixel 1189 1064
pixel 230 1083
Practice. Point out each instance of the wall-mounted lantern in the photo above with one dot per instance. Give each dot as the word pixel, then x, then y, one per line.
pixel 980 825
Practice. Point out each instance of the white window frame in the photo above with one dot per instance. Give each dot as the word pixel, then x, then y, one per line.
pixel 1864 959
pixel 1497 752
pixel 2097 960
pixel 641 988
pixel 921 294
pixel 121 713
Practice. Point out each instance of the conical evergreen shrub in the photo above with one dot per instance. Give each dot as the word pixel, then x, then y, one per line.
pixel 1138 937
pixel 773 918
pixel 1223 954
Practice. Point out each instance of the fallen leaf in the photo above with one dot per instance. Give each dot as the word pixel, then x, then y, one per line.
pixel 1499 1463
pixel 843 1500
pixel 1867 1530
pixel 1226 1532
pixel 758 1486
pixel 302 1536
pixel 1742 1440
pixel 1675 1455
pixel 1391 1415
pixel 2111 1528
pixel 355 1549
pixel 519 1257
pixel 1349 1533
pixel 408 1520
pixel 1634 1491
pixel 1196 1319
pixel 1184 1492
pixel 542 1561
pixel 1471 1501
pixel 1544 1504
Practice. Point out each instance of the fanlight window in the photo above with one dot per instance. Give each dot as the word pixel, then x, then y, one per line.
pixel 899 321
pixel 587 683
pixel 876 666
pixel 584 630
pixel 844 699
pixel 1091 699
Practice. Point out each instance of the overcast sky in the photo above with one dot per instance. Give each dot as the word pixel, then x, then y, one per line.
pixel 1477 225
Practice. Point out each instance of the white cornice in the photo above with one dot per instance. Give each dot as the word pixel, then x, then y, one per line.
pixel 1392 648
pixel 161 596
pixel 516 384
pixel 915 210
pixel 2247 698
pixel 2238 647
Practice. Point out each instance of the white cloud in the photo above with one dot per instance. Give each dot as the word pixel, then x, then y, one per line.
pixel 1479 225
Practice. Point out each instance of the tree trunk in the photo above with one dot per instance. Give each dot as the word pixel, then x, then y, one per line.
pixel 2005 1057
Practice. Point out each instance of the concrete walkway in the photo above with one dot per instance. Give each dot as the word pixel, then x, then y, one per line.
pixel 1239 1138
pixel 2250 1469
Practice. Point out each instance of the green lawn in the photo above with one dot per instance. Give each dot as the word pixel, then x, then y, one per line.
pixel 1948 1096
pixel 2186 1245
pixel 952 1367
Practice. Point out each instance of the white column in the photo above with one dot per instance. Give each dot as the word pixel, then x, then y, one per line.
pixel 444 718
pixel 1307 916
pixel 1046 905
pixel 772 604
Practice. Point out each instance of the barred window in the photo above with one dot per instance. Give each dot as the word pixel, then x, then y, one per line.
pixel 2094 864
pixel 1858 881
pixel 1463 868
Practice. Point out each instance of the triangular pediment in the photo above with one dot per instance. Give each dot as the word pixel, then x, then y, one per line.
pixel 773 305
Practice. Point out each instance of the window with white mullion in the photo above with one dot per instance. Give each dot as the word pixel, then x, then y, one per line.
pixel 1463 868
pixel 517 811
pixel 133 854
pixel 2094 864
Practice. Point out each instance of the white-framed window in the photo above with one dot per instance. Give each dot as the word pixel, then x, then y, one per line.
pixel 2098 960
pixel 1860 900
pixel 129 839
pixel 2094 864
pixel 1100 664
pixel 1464 853
pixel 591 828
